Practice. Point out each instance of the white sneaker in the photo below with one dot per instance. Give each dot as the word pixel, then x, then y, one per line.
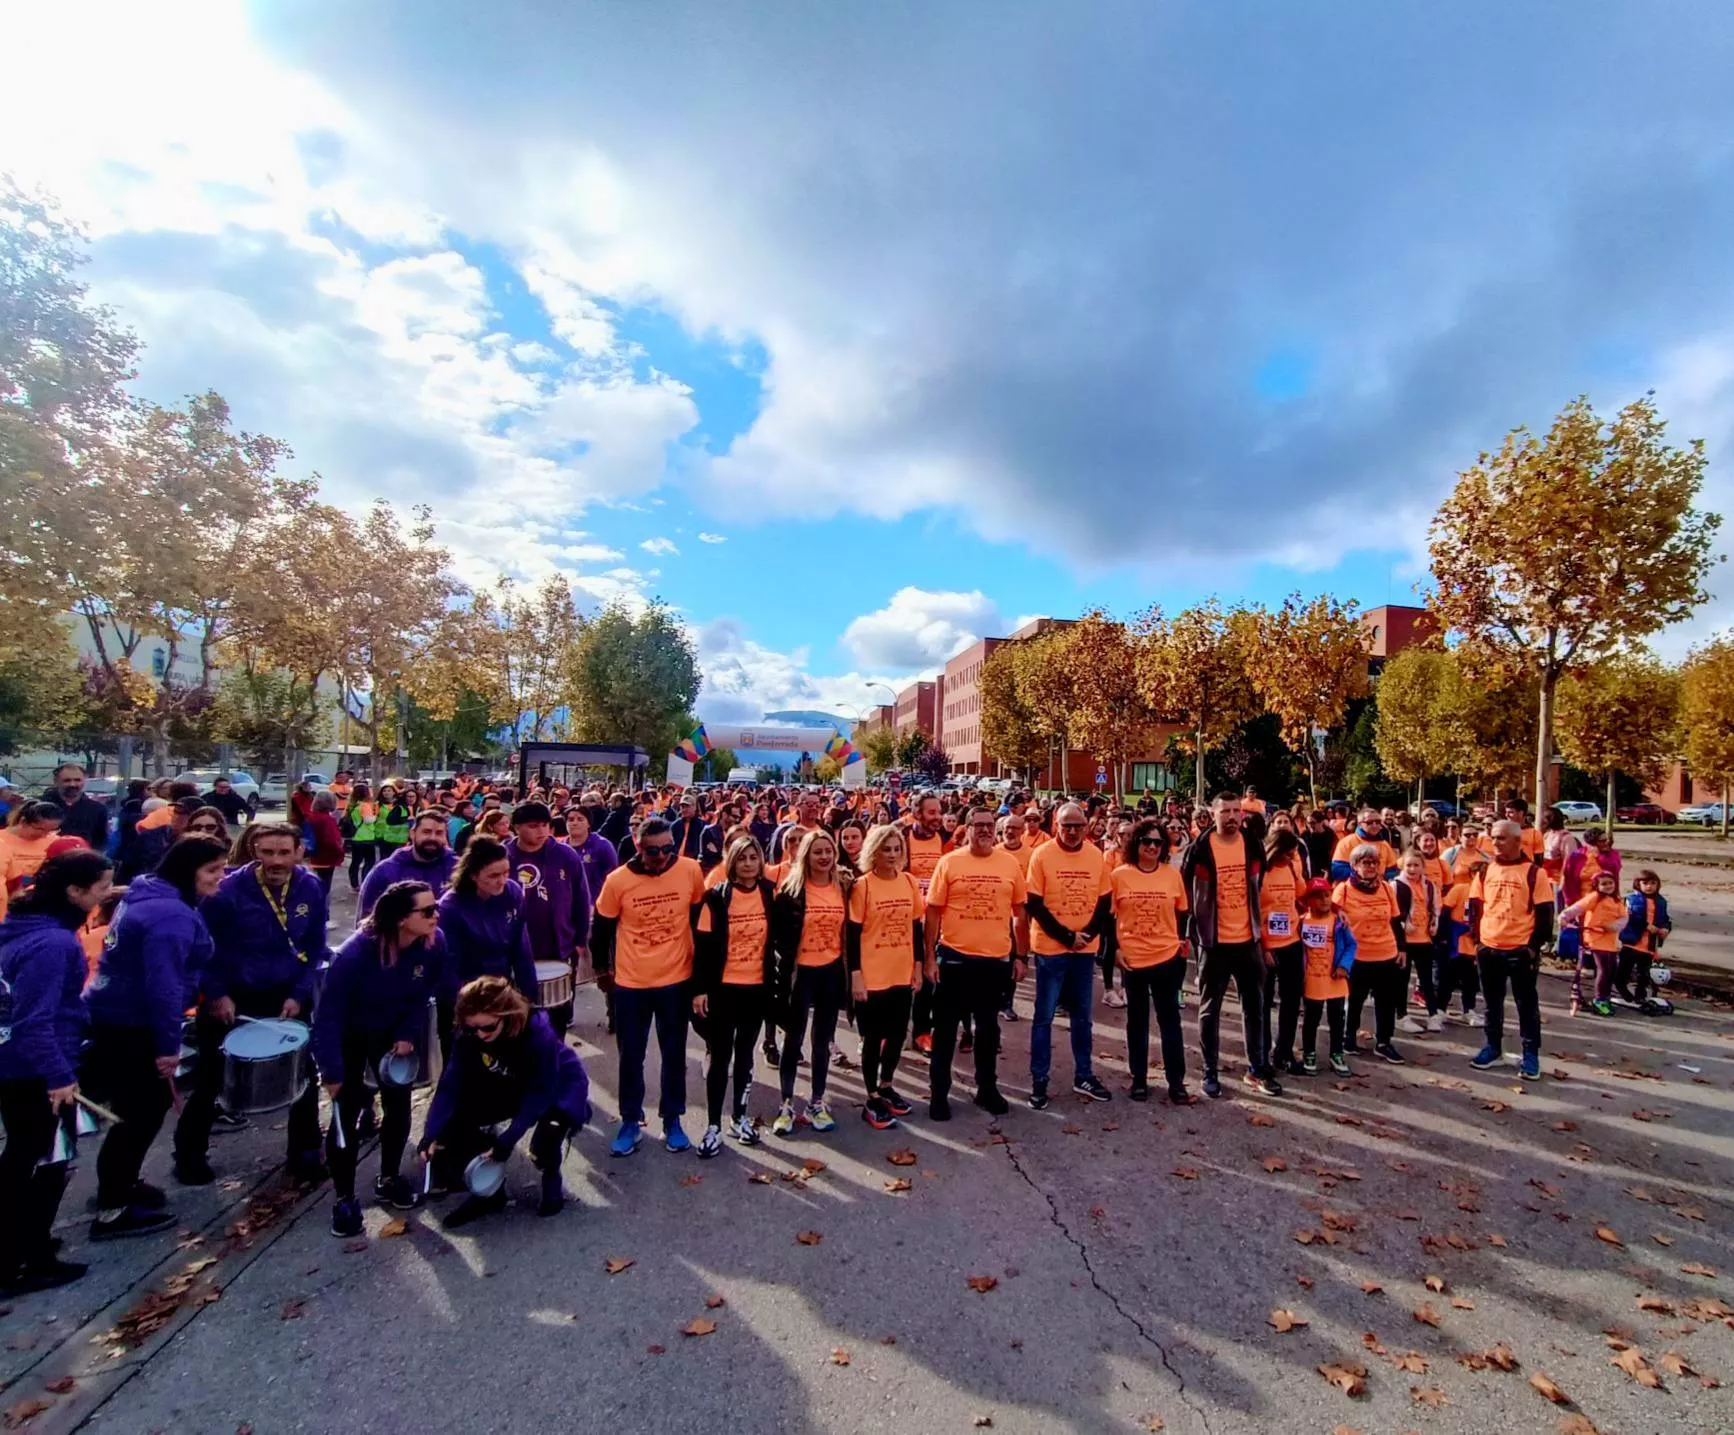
pixel 1114 997
pixel 1412 1024
pixel 1458 1018
pixel 1436 1022
pixel 710 1143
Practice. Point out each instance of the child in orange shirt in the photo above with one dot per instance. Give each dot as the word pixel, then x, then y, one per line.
pixel 1330 954
pixel 1457 957
pixel 1599 915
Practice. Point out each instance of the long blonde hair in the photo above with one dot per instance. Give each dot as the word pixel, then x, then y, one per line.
pixel 795 879
pixel 877 837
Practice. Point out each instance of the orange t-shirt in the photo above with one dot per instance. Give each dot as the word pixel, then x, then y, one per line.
pixel 1319 940
pixel 1602 919
pixel 1252 804
pixel 1070 884
pixel 822 931
pixel 977 898
pixel 1115 856
pixel 1416 931
pixel 1457 905
pixel 887 911
pixel 1233 913
pixel 1021 855
pixel 744 955
pixel 1507 911
pixel 1435 872
pixel 1146 914
pixel 653 946
pixel 1278 900
pixel 1369 915
pixel 924 855
pixel 20 857
pixel 1387 853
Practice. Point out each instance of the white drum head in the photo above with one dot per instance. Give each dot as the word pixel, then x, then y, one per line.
pixel 262 1040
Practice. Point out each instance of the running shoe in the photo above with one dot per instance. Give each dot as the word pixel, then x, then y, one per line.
pixel 924 1043
pixel 939 1109
pixel 1530 1070
pixel 1487 1057
pixel 1602 1008
pixel 674 1137
pixel 1114 997
pixel 130 1222
pixel 346 1219
pixel 1212 1085
pixel 744 1130
pixel 626 1139
pixel 1389 1053
pixel 1263 1082
pixel 710 1144
pixel 1340 1064
pixel 223 1124
pixel 1039 1096
pixel 877 1114
pixel 897 1104
pixel 990 1101
pixel 783 1124
pixel 819 1116
pixel 397 1192
pixel 1414 1025
pixel 1140 1091
pixel 1436 1022
pixel 1089 1086
pixel 1309 1064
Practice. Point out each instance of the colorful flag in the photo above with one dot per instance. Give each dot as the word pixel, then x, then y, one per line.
pixel 840 750
pixel 694 745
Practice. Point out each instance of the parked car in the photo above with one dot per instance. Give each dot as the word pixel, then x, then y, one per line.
pixel 1644 812
pixel 1579 811
pixel 274 790
pixel 242 783
pixel 1707 814
pixel 1443 806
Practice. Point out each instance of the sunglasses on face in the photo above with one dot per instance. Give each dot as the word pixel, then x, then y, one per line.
pixel 484 1028
pixel 429 910
pixel 658 849
pixel 1149 841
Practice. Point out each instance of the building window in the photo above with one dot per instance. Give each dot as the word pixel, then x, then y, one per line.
pixel 159 662
pixel 1154 776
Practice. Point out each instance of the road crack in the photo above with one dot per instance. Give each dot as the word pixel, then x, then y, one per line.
pixel 1144 1334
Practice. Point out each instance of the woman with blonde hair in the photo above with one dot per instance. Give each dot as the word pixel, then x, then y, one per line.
pixel 732 974
pixel 884 942
pixel 507 1065
pixel 807 921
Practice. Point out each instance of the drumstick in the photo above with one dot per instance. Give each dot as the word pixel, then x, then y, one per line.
pixel 93 1108
pixel 174 1093
pixel 426 1178
pixel 337 1127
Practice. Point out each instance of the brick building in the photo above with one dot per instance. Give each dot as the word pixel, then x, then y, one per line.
pixel 917 710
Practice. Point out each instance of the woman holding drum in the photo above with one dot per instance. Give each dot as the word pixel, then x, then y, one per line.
pixel 507 1065
pixel 481 919
pixel 144 982
pixel 374 1005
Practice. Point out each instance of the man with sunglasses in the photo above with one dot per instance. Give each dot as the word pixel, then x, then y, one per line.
pixel 642 944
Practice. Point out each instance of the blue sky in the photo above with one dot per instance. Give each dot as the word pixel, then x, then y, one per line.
pixel 858 332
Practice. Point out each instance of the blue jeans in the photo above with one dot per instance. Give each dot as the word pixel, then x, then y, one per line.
pixel 1073 976
pixel 635 1009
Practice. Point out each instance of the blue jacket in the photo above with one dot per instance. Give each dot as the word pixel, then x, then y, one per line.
pixel 366 1003
pixel 486 937
pixel 1636 908
pixel 42 965
pixel 404 866
pixel 152 959
pixel 255 953
pixel 520 1079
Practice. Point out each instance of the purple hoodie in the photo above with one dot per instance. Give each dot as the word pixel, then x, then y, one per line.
pixel 557 900
pixel 43 965
pixel 520 1079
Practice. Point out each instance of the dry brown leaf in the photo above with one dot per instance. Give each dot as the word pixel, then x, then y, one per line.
pixel 715 1302
pixel 1344 1430
pixel 839 1356
pixel 397 1226
pixel 897 1184
pixel 1460 1302
pixel 1496 1240
pixel 809 1238
pixel 1186 1173
pixel 1371 1288
pixel 692 1178
pixel 1697 1268
pixel 1548 1390
pixel 23 1412
pixel 1412 1362
pixel 761 1178
pixel 698 1325
pixel 293 1309
pixel 1304 1282
pixel 1426 1315
pixel 1611 1236
pixel 1070 1130
pixel 1285 1321
pixel 614 1265
pixel 1660 1239
pixel 983 1422
pixel 657 1349
pixel 61 1386
pixel 1576 1424
pixel 1436 1284
pixel 1631 1360
pixel 1273 1164
pixel 351 1248
pixel 1500 1357
pixel 983 1284
pixel 1306 1238
pixel 1152 1422
pixel 1671 1361
pixel 1408 1215
pixel 1432 1396
pixel 1258 1118
pixel 1371 1341
pixel 1496 1106
pixel 1565 1126
pixel 1350 1379
pixel 1656 1303
pixel 1350 1121
pixel 902 1157
pixel 1336 1221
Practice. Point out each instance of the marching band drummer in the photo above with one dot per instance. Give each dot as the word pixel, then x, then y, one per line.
pixel 507 1065
pixel 150 967
pixel 483 923
pixel 375 1002
pixel 267 922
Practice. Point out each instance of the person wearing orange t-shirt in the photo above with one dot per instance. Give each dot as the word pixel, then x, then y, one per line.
pixel 732 970
pixel 642 944
pixel 1329 946
pixel 1371 828
pixel 24 845
pixel 807 918
pixel 1374 912
pixel 1069 908
pixel 1149 909
pixel 924 844
pixel 1599 915
pixel 1510 919
pixel 1221 872
pixel 977 938
pixel 1279 896
pixel 885 943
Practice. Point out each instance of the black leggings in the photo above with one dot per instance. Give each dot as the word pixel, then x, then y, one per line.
pixel 1384 982
pixel 470 1132
pixel 731 1032
pixel 883 1021
pixel 1332 1007
pixel 1157 988
pixel 362 856
pixel 821 991
pixel 120 1071
pixel 1632 975
pixel 1457 972
pixel 1421 961
pixel 29 1194
pixel 1282 992
pixel 354 1098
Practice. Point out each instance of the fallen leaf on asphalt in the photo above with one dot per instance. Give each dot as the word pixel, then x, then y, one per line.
pixel 1611 1236
pixel 1350 1121
pixel 1496 1106
pixel 1432 1396
pixel 983 1284
pixel 761 1178
pixel 1549 1191
pixel 1336 1221
pixel 1631 1360
pixel 1304 1282
pixel 1660 1239
pixel 1565 1126
pixel 1426 1315
pixel 812 1165
pixel 1548 1390
pixel 888 1340
pixel 983 1422
pixel 1577 1425
pixel 1459 1302
pixel 839 1356
pixel 1350 1379
pixel 715 1302
pixel 698 1325
pixel 1371 1288
pixel 897 1184
pixel 24 1410
pixel 66 1383
pixel 1258 1118
pixel 1496 1241
pixel 244 1428
pixel 394 1227
pixel 1671 1361
pixel 294 1309
pixel 1285 1321
pixel 1097 1212
pixel 351 1248
pixel 1500 1357
pixel 809 1238
pixel 1697 1268
pixel 903 1157
pixel 1110 1125
pixel 1345 1430
pixel 1186 1173
pixel 1436 1284
pixel 1411 1362
pixel 614 1265
pixel 1070 1130
pixel 1152 1422
pixel 1691 1213
pixel 692 1179
pixel 1656 1303
pixel 1638 1193
pixel 657 1349
pixel 1273 1164
pixel 1306 1238
pixel 1407 1215
pixel 1371 1341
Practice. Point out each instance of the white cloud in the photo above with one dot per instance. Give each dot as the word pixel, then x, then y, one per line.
pixel 660 546
pixel 744 680
pixel 920 628
pixel 713 538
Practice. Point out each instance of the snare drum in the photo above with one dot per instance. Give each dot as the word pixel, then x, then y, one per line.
pixel 553 984
pixel 266 1066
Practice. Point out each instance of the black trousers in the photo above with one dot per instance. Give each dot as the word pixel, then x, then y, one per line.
pixel 29 1194
pixel 970 988
pixel 1422 961
pixel 471 1132
pixel 1243 964
pixel 883 1022
pixel 731 1035
pixel 193 1130
pixel 1157 988
pixel 1457 972
pixel 355 1097
pixel 1332 1007
pixel 120 1071
pixel 1632 976
pixel 1284 988
pixel 820 991
pixel 1384 982
pixel 362 857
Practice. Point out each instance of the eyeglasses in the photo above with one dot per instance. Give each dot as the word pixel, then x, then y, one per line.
pixel 483 1028
pixel 429 910
pixel 1149 841
pixel 657 849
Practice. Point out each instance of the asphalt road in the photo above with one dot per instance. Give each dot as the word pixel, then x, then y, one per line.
pixel 1137 1257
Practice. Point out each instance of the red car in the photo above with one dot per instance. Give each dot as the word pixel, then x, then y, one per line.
pixel 1640 812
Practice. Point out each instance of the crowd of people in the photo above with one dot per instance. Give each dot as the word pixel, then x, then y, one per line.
pixel 764 921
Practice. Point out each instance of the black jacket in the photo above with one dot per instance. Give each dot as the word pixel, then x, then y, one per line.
pixel 712 951
pixel 86 818
pixel 1198 875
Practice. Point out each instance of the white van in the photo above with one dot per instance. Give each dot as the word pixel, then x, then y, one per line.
pixel 743 777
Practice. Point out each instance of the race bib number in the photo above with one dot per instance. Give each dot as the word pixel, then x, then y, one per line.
pixel 1315 934
pixel 1278 924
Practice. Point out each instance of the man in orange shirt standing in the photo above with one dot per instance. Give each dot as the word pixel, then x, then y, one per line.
pixel 1070 906
pixel 977 938
pixel 1510 920
pixel 642 944
pixel 1221 872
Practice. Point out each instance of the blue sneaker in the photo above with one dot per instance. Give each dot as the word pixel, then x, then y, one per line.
pixel 1530 1070
pixel 674 1139
pixel 1485 1058
pixel 626 1139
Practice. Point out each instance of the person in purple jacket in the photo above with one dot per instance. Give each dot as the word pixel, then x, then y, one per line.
pixel 481 919
pixel 42 1021
pixel 151 961
pixel 375 1002
pixel 557 897
pixel 595 851
pixel 428 857
pixel 507 1065
pixel 267 922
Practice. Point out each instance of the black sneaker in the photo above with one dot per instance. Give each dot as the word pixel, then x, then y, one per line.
pixel 45 1275
pixel 1389 1052
pixel 990 1101
pixel 553 1197
pixel 968 1042
pixel 396 1192
pixel 472 1208
pixel 223 1124
pixel 194 1171
pixel 346 1219
pixel 131 1222
pixel 1039 1096
pixel 1352 1048
pixel 1309 1064
pixel 772 1055
pixel 1009 1014
pixel 898 1105
pixel 1264 1083
pixel 1179 1096
pixel 1140 1091
pixel 1300 1068
pixel 939 1109
pixel 1089 1086
pixel 1212 1086
pixel 148 1197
